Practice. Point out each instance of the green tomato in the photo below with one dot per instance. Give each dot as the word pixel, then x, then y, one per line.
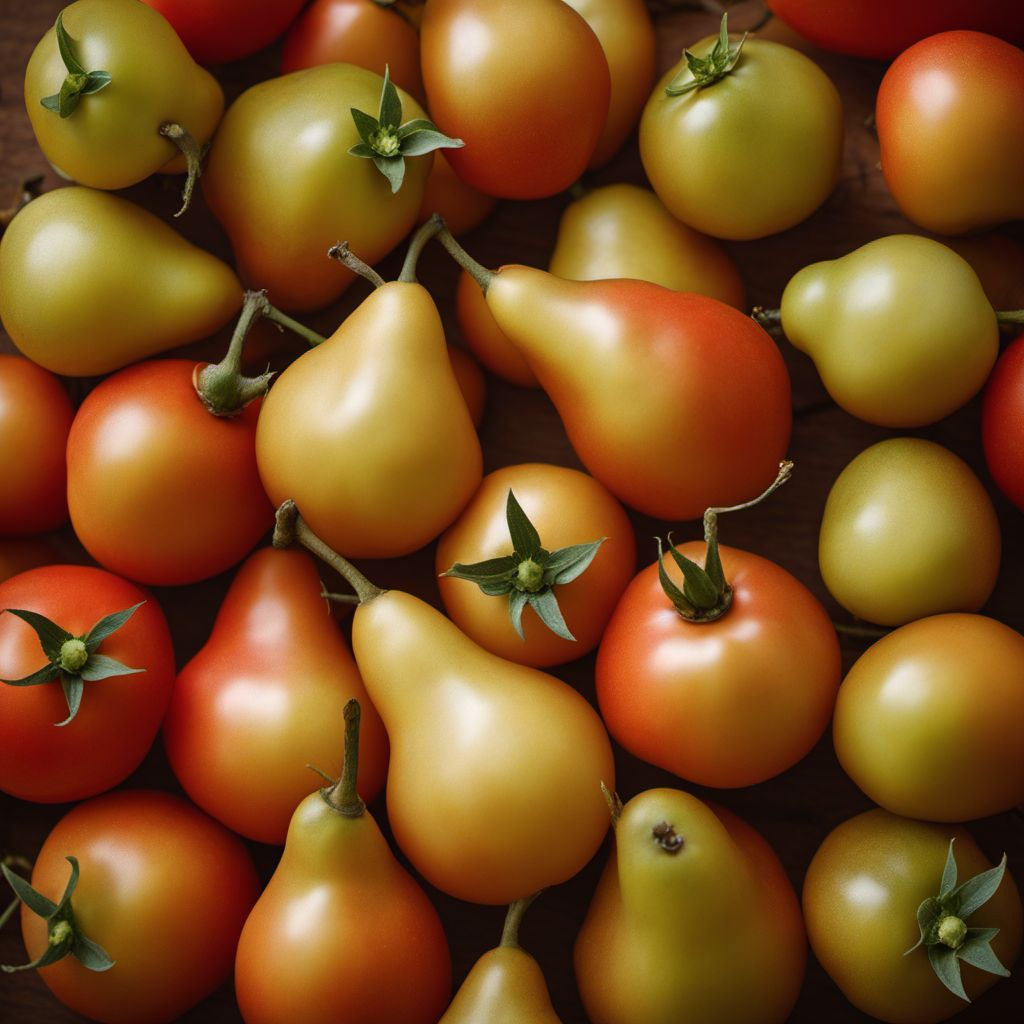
pixel 900 329
pixel 908 531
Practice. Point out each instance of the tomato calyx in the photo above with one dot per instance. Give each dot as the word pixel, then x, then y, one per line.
pixel 701 72
pixel 342 796
pixel 74 659
pixel 945 933
pixel 530 573
pixel 78 82
pixel 65 937
pixel 387 142
pixel 706 594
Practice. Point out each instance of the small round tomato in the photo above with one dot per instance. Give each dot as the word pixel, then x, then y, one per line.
pixel 929 719
pixel 119 715
pixel 1002 423
pixel 908 531
pixel 161 490
pixel 164 891
pixel 35 417
pixel 861 898
pixel 566 507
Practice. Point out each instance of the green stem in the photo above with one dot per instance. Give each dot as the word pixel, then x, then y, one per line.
pixel 344 255
pixel 1010 316
pixel 711 515
pixel 769 319
pixel 9 912
pixel 283 320
pixel 426 232
pixel 290 528
pixel 193 154
pixel 513 919
pixel 342 796
pixel 868 632
pixel 477 271
pixel 339 598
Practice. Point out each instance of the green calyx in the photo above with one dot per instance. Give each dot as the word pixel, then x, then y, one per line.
pixel 387 142
pixel 529 575
pixel 78 83
pixel 945 933
pixel 701 72
pixel 65 938
pixel 74 659
pixel 706 594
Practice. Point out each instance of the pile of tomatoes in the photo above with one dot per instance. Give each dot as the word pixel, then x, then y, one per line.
pixel 518 461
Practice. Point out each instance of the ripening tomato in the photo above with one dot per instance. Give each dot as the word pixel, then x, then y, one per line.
pixel 163 889
pixel 929 719
pixel 1002 423
pixel 161 490
pixel 35 417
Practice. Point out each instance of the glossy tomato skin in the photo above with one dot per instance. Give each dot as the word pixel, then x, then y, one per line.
pixel 1002 423
pixel 725 703
pixel 524 83
pixel 118 717
pixel 163 889
pixel 860 901
pixel 218 31
pixel 920 564
pixel 948 113
pixel 35 417
pixel 566 507
pixel 885 28
pixel 929 719
pixel 750 155
pixel 160 490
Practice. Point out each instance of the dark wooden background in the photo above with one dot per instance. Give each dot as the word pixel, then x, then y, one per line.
pixel 794 811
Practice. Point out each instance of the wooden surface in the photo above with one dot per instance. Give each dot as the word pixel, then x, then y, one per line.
pixel 794 811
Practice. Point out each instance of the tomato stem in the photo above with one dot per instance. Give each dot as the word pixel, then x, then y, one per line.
pixel 477 271
pixel 290 528
pixel 344 255
pixel 513 919
pixel 711 515
pixel 342 796
pixel 425 233
pixel 193 154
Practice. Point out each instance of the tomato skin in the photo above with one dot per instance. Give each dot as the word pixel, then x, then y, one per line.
pixel 929 719
pixel 218 31
pixel 1002 417
pixel 567 507
pixel 944 561
pixel 860 901
pixel 35 417
pixel 770 131
pixel 161 490
pixel 462 207
pixel 948 113
pixel 531 141
pixel 725 703
pixel 118 717
pixel 165 891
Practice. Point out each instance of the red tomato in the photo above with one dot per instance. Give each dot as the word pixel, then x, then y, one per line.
pixel 119 716
pixel 462 207
pixel 163 889
pixel 948 114
pixel 159 489
pixel 217 31
pixel 526 141
pixel 1002 423
pixel 724 703
pixel 35 417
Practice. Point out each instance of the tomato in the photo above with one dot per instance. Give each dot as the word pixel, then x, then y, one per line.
pixel 163 890
pixel 566 507
pixel 119 715
pixel 1002 423
pixel 908 531
pixel 728 702
pixel 532 140
pixel 463 207
pixel 748 154
pixel 35 417
pixel 358 32
pixel 929 719
pixel 861 898
pixel 217 31
pixel 885 28
pixel 160 490
pixel 947 113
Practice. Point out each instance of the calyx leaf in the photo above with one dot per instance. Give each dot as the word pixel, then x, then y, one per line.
pixel 387 142
pixel 73 659
pixel 530 573
pixel 944 933
pixel 704 71
pixel 78 82
pixel 65 936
